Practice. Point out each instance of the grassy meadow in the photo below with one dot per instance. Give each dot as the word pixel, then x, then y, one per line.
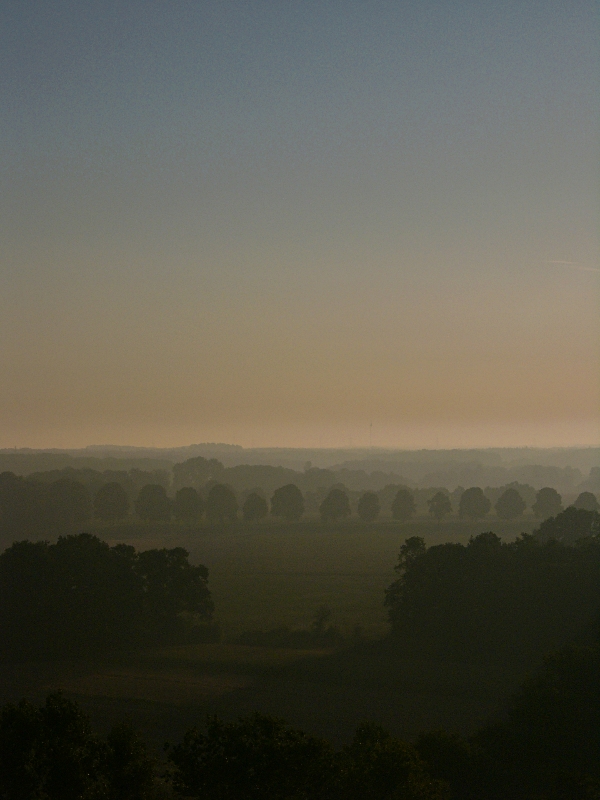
pixel 264 576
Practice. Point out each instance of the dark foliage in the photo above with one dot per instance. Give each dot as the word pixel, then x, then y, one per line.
pixel 587 501
pixel 548 503
pixel 50 753
pixel 29 506
pixel 257 757
pixel 287 502
pixel 569 526
pixel 403 506
pixel 82 595
pixel 152 504
pixel 188 504
pixel 255 508
pixel 196 472
pixel 377 766
pixel 473 503
pixel 335 506
pixel 111 502
pixel 546 747
pixel 490 598
pixel 439 505
pixel 510 504
pixel 221 504
pixel 368 507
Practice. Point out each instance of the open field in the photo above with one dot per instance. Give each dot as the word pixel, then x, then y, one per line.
pixel 274 574
pixel 270 575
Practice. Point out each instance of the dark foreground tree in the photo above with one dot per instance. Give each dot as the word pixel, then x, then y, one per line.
pixel 439 505
pixel 377 766
pixel 80 595
pixel 503 601
pixel 221 504
pixel 474 504
pixel 51 753
pixel 403 507
pixel 368 507
pixel 111 502
pixel 548 503
pixel 587 501
pixel 255 508
pixel 335 506
pixel 256 758
pixel 152 504
pixel 188 504
pixel 510 505
pixel 287 502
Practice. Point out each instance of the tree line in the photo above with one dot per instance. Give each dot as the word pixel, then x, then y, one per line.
pixel 33 505
pixel 546 746
pixel 491 599
pixel 82 596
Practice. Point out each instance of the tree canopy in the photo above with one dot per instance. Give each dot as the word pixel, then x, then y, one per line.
pixel 473 503
pixel 152 504
pixel 111 502
pixel 368 507
pixel 548 503
pixel 221 504
pixel 491 597
pixel 403 505
pixel 255 508
pixel 439 505
pixel 80 594
pixel 510 504
pixel 287 502
pixel 335 506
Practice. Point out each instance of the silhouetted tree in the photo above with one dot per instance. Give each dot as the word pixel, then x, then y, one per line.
pixel 548 503
pixel 255 508
pixel 510 504
pixel 196 472
pixel 439 505
pixel 111 502
pixel 221 504
pixel 377 766
pixel 51 753
pixel 23 504
pixel 473 503
pixel 256 758
pixel 403 507
pixel 68 503
pixel 172 586
pixel 188 504
pixel 368 507
pixel 523 597
pixel 287 502
pixel 335 506
pixel 152 504
pixel 587 501
pixel 569 526
pixel 80 595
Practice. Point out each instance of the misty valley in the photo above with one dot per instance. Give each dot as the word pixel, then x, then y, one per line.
pixel 374 627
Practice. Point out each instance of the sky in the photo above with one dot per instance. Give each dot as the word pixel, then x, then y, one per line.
pixel 299 223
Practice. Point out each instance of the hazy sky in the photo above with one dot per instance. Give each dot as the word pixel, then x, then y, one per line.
pixel 277 222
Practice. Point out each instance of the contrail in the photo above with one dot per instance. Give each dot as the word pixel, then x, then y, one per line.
pixel 574 265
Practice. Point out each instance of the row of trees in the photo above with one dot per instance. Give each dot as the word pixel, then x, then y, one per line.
pixel 27 505
pixel 287 502
pixel 547 746
pixel 80 595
